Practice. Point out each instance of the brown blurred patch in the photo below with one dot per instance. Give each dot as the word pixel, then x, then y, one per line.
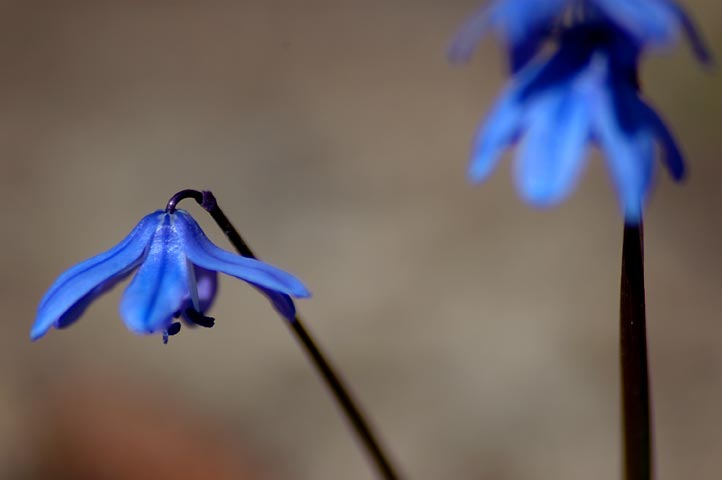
pixel 92 431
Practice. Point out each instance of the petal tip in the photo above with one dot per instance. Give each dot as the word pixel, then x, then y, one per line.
pixel 679 175
pixel 41 326
pixel 37 333
pixel 457 55
pixel 303 293
pixel 478 170
pixel 473 177
pixel 540 197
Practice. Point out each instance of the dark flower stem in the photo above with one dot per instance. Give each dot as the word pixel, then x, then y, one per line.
pixel 208 201
pixel 635 377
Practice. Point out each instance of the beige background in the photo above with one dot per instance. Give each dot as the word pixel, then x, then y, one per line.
pixel 479 333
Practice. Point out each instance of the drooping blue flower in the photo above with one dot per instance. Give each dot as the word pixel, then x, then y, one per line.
pixel 585 93
pixel 582 90
pixel 525 25
pixel 176 276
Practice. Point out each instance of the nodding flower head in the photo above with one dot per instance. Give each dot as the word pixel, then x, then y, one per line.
pixel 581 90
pixel 585 93
pixel 176 277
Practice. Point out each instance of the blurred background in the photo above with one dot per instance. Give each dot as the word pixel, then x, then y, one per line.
pixel 480 334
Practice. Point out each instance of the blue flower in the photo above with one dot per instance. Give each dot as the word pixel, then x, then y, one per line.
pixel 525 25
pixel 585 93
pixel 177 277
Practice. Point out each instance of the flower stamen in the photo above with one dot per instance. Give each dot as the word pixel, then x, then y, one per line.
pixel 172 329
pixel 198 318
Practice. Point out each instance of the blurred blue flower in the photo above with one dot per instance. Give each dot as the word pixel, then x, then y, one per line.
pixel 177 277
pixel 586 92
pixel 525 25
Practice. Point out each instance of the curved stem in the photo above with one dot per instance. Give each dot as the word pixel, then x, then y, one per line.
pixel 636 415
pixel 183 194
pixel 349 406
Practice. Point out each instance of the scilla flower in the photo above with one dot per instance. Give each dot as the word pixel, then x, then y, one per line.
pixel 176 277
pixel 584 92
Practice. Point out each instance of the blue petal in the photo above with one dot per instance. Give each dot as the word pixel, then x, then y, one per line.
pixel 551 156
pixel 207 285
pixel 503 125
pixel 552 152
pixel 649 21
pixel 671 154
pixel 655 22
pixel 205 254
pixel 73 291
pixel 516 18
pixel 281 302
pixel 523 51
pixel 497 133
pixel 520 22
pixel 629 149
pixel 157 291
pixel 699 46
pixel 573 56
pixel 468 36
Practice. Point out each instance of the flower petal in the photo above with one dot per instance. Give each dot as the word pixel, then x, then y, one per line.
pixel 157 291
pixel 649 21
pixel 699 46
pixel 281 302
pixel 551 154
pixel 75 289
pixel 468 36
pixel 205 254
pixel 522 23
pixel 523 51
pixel 516 18
pixel 656 22
pixel 671 154
pixel 628 147
pixel 497 133
pixel 207 284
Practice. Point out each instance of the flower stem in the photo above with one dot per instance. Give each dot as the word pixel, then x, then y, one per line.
pixel 208 201
pixel 633 341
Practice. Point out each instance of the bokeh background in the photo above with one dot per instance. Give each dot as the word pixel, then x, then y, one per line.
pixel 480 334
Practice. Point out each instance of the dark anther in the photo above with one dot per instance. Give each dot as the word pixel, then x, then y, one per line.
pixel 199 319
pixel 172 329
pixel 175 199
